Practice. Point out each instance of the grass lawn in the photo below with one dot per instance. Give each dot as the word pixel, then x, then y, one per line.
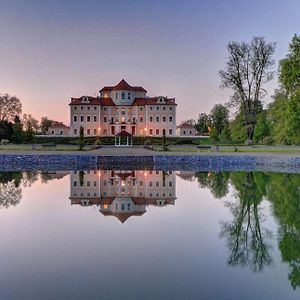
pixel 261 149
pixel 27 147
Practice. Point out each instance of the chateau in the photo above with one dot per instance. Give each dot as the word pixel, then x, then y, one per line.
pixel 123 108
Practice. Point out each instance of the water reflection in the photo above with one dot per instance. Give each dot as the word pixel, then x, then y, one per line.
pixel 123 194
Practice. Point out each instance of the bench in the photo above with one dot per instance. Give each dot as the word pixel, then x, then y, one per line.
pixel 204 147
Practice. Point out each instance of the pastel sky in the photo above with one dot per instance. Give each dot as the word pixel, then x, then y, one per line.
pixel 52 50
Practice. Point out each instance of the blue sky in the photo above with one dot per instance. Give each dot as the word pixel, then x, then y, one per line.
pixel 54 50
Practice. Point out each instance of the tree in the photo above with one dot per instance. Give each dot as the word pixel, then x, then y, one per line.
pixel 262 129
pixel 30 125
pixel 219 117
pixel 289 77
pixel 202 124
pixel 45 124
pixel 164 143
pixel 9 107
pixel 30 122
pixel 247 70
pixel 81 138
pixel 6 129
pixel 289 68
pixel 238 129
pixel 17 133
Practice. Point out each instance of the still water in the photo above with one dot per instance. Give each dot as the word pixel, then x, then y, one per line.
pixel 149 235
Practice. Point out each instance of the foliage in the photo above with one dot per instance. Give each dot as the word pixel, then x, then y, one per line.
pixel 262 129
pixel 45 124
pixel 247 69
pixel 17 134
pixel 238 129
pixel 6 130
pixel 165 146
pixel 202 125
pixel 219 119
pixel 9 107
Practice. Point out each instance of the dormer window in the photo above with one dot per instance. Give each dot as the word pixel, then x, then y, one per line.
pixel 129 96
pixel 116 95
pixel 123 96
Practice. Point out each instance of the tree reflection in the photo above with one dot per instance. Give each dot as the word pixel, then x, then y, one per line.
pixel 284 193
pixel 216 182
pixel 10 189
pixel 246 239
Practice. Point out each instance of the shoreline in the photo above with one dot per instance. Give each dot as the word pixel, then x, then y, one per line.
pixel 147 159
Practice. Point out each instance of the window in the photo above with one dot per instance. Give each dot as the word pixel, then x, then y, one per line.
pixel 151 119
pixel 95 183
pixel 81 118
pixel 157 184
pixel 88 184
pixel 164 108
pixel 81 107
pixel 75 107
pixel 52 131
pixel 61 132
pixel 190 131
pixel 170 119
pixel 117 95
pixel 88 119
pixel 157 119
pixel 88 108
pixel 141 119
pixel 150 183
pixel 141 108
pixel 104 108
pixel 88 131
pixel 123 96
pixel 129 96
pixel 150 131
pixel 104 119
pixel 74 183
pixel 157 107
pixel 183 131
pixel 164 118
pixel 170 131
pixel 151 108
pixel 157 131
pixel 95 118
pixel 95 107
pixel 75 119
pixel 170 184
pixel 75 131
pixel 170 108
pixel 95 131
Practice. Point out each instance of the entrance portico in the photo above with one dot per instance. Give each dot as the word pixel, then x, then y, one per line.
pixel 123 139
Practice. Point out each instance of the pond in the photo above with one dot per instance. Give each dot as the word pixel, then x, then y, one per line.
pixel 140 234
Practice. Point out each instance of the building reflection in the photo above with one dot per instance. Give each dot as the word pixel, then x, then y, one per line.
pixel 123 193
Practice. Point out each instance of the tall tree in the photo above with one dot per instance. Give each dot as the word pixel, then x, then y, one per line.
pixel 247 70
pixel 9 107
pixel 289 77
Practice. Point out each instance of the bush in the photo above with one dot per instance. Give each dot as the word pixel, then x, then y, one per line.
pixel 185 142
pixel 4 142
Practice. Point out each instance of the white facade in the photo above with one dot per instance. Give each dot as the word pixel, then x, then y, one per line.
pixel 123 108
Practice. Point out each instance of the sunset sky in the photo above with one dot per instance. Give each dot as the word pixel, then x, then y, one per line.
pixel 53 50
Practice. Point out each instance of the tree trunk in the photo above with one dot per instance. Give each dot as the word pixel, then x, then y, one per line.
pixel 250 134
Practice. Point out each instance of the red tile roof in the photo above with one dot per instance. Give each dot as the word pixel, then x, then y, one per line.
pixel 186 125
pixel 123 86
pixel 92 101
pixel 58 125
pixel 107 102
